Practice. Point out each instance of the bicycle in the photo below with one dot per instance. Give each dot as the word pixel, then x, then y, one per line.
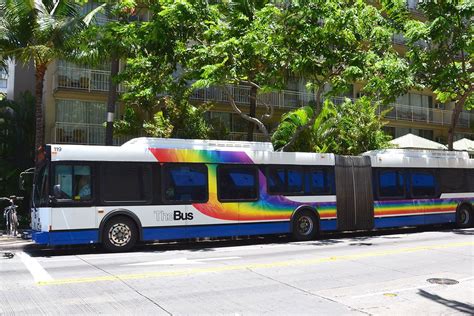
pixel 10 215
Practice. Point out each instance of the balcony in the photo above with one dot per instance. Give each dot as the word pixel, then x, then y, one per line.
pixel 289 100
pixel 81 133
pixel 84 79
pixel 285 99
pixel 257 137
pixel 409 113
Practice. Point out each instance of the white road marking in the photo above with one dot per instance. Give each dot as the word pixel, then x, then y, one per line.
pixel 407 289
pixel 36 270
pixel 179 261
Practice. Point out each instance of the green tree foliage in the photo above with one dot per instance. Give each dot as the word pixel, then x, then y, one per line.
pixel 237 49
pixel 336 43
pixel 441 52
pixel 349 128
pixel 157 72
pixel 16 141
pixel 40 31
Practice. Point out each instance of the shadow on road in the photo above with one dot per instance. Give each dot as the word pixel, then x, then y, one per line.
pixel 359 238
pixel 458 306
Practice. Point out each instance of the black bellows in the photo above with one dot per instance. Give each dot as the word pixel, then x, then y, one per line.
pixel 355 199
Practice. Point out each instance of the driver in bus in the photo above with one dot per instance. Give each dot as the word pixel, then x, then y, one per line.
pixel 84 188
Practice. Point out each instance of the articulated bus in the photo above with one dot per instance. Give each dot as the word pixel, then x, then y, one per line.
pixel 170 189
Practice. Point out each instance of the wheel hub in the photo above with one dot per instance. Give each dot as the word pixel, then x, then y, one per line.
pixel 120 234
pixel 305 225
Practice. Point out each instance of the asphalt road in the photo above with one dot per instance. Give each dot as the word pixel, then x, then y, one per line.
pixel 380 273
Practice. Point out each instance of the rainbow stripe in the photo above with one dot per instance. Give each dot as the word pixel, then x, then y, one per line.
pixel 414 207
pixel 267 208
pixel 278 207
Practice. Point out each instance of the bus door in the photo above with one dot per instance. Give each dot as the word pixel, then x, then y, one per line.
pixel 354 193
pixel 73 207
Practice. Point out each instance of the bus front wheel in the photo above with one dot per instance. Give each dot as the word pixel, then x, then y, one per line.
pixel 305 226
pixel 464 217
pixel 119 234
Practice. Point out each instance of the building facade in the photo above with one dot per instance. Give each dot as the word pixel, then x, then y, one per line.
pixel 76 97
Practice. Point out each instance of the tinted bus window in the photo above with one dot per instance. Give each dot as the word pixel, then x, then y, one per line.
pixel 284 180
pixel 237 183
pixel 185 183
pixel 391 184
pixel 126 182
pixel 423 184
pixel 453 180
pixel 319 182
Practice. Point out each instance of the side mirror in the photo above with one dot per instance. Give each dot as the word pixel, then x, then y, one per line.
pixel 25 182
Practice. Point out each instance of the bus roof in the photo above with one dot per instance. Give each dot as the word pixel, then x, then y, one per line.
pixel 413 158
pixel 185 150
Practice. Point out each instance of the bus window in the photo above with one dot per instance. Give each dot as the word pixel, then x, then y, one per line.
pixel 319 182
pixel 237 183
pixel 126 182
pixel 391 184
pixel 185 183
pixel 74 182
pixel 284 180
pixel 423 184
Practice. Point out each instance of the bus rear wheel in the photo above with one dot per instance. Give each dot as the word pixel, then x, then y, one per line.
pixel 464 217
pixel 119 234
pixel 305 226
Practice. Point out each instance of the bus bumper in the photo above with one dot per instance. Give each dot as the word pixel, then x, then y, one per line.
pixel 39 237
pixel 72 237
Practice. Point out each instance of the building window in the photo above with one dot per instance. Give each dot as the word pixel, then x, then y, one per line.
pixel 185 183
pixel 80 122
pixel 237 183
pixel 3 79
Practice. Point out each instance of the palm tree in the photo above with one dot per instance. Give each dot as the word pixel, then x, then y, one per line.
pixel 40 30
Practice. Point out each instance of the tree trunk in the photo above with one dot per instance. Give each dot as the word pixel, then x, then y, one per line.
pixel 39 117
pixel 459 105
pixel 252 112
pixel 111 100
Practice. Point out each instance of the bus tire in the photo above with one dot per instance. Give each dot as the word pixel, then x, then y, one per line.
pixel 120 234
pixel 305 226
pixel 464 216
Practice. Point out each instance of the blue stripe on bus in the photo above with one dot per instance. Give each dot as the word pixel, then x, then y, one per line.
pixel 201 231
pixel 72 237
pixel 429 219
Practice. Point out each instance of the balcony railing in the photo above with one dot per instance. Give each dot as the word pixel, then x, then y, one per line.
pixel 426 115
pixel 257 137
pixel 83 79
pixel 80 133
pixel 286 99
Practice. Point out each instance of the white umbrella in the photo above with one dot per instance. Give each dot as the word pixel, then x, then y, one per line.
pixel 464 145
pixel 411 141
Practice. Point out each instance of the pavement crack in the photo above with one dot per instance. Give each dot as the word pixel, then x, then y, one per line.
pixel 306 291
pixel 127 285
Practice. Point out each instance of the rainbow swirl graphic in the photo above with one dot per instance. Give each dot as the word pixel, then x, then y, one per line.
pixel 267 208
